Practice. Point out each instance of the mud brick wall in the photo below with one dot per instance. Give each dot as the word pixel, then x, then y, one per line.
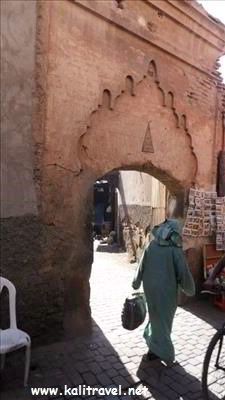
pixel 38 280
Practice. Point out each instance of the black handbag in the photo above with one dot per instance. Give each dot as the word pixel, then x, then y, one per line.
pixel 134 311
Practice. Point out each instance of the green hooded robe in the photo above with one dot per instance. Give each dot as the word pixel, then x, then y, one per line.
pixel 163 269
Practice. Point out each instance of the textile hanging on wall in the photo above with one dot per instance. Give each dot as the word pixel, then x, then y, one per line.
pixel 201 214
pixel 205 216
pixel 220 223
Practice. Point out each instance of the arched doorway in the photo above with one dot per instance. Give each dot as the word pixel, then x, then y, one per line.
pixel 138 130
pixel 77 288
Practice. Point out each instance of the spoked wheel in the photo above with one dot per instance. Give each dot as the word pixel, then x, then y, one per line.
pixel 213 374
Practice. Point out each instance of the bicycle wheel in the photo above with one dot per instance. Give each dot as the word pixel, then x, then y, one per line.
pixel 213 373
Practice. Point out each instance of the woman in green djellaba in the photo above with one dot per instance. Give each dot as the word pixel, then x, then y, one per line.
pixel 163 269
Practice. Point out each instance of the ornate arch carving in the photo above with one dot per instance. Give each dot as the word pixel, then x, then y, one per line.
pixel 108 100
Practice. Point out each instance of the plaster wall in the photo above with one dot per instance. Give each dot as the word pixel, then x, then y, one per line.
pixel 18 30
pixel 105 55
pixel 142 189
pixel 141 202
pixel 26 243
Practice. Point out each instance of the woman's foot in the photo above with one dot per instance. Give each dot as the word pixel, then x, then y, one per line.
pixel 152 356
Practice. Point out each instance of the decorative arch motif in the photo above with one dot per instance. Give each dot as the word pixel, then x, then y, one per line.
pixel 108 99
pixel 129 85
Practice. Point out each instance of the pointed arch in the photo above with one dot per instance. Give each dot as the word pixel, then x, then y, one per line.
pixel 152 71
pixel 106 99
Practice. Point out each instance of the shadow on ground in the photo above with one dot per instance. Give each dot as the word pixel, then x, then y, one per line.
pixel 94 361
pixel 169 382
pixel 109 248
pixel 204 309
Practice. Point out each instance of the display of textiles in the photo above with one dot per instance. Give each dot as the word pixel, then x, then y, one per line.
pixel 205 216
pixel 220 223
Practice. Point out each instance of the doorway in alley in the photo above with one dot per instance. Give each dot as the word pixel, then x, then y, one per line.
pixel 127 204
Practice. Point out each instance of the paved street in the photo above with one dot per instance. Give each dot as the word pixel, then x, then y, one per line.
pixel 113 356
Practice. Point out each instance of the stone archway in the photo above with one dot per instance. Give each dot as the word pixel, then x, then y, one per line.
pixel 140 131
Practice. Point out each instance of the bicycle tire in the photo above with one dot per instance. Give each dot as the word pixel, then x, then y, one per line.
pixel 212 344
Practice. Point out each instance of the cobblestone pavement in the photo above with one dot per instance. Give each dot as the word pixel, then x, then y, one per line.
pixel 112 356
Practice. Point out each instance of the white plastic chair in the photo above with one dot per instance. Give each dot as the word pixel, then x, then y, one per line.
pixel 13 338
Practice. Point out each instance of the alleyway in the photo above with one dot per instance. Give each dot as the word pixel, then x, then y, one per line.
pixel 113 356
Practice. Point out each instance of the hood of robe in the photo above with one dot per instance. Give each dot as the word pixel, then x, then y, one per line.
pixel 168 233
